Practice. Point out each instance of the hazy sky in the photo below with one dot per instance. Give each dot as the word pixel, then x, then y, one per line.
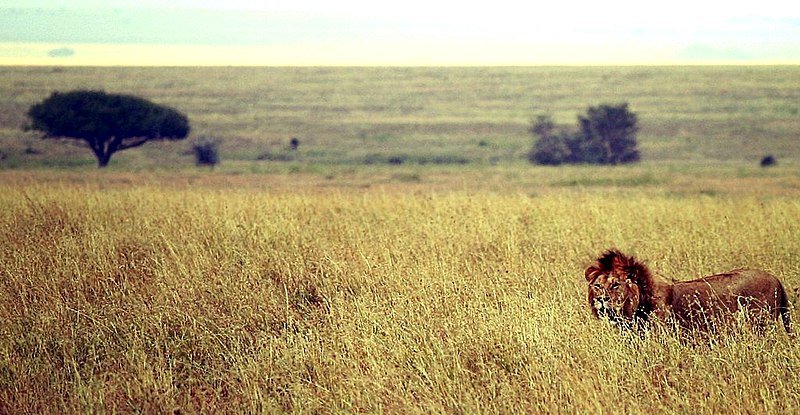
pixel 409 32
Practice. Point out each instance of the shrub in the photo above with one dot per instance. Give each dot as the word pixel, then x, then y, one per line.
pixel 206 151
pixel 550 150
pixel 609 134
pixel 399 159
pixel 605 135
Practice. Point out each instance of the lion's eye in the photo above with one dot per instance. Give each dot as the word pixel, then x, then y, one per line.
pixel 598 286
pixel 614 285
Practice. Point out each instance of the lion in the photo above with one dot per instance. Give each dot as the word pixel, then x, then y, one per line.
pixel 623 291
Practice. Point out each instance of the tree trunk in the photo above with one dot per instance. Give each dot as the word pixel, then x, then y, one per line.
pixel 102 150
pixel 102 160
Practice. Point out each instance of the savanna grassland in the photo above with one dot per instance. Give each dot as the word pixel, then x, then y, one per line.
pixel 354 117
pixel 335 280
pixel 142 298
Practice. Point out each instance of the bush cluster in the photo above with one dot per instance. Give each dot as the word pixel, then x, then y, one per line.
pixel 605 135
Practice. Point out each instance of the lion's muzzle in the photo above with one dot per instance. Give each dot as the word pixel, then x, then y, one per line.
pixel 606 310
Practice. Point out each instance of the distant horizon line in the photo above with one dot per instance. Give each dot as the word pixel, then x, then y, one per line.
pixel 404 65
pixel 124 55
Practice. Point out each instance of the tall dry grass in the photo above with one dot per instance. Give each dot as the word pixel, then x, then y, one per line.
pixel 147 299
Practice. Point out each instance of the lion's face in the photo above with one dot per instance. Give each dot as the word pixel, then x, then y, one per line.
pixel 613 298
pixel 613 292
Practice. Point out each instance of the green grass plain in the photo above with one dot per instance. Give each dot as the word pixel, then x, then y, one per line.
pixel 332 281
pixel 362 116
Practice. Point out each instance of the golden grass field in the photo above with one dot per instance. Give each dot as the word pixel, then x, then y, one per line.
pixel 134 293
pixel 331 280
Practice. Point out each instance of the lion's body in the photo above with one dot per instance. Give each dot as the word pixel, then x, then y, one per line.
pixel 616 282
pixel 716 297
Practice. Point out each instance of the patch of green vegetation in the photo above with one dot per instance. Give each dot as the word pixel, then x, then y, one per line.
pixel 408 177
pixel 621 180
pixel 379 138
pixel 277 156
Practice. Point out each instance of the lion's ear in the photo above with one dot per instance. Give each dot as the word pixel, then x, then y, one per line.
pixel 591 273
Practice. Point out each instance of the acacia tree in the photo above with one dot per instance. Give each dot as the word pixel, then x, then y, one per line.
pixel 108 123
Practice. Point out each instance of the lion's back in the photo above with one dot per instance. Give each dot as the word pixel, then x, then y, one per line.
pixel 741 281
pixel 728 290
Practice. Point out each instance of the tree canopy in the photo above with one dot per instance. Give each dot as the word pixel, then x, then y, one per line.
pixel 610 133
pixel 107 122
pixel 605 135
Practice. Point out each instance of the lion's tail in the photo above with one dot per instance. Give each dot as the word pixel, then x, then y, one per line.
pixel 785 310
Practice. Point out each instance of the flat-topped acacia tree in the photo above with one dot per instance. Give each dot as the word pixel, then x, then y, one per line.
pixel 106 122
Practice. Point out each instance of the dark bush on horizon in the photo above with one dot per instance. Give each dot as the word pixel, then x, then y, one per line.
pixel 206 152
pixel 605 135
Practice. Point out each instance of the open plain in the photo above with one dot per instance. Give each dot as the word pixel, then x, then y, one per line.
pixel 405 259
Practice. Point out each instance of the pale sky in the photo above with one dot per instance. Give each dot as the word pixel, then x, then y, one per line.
pixel 409 32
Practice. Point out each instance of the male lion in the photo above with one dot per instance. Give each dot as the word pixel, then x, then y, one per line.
pixel 622 290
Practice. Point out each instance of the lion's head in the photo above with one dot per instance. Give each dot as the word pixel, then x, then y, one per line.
pixel 615 287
